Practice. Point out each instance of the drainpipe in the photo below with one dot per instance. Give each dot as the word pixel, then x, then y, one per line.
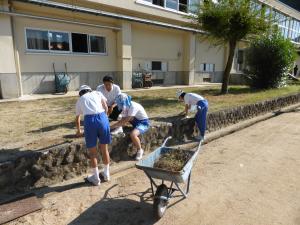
pixel 16 56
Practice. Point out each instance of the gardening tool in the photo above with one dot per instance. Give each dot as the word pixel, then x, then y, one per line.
pixel 163 192
pixel 62 80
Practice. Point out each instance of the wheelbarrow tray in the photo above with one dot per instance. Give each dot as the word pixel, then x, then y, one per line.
pixel 147 165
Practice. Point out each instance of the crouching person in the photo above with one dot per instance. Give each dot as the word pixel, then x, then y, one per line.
pixel 191 99
pixel 92 105
pixel 135 114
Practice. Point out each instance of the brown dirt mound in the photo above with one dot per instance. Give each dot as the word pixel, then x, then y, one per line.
pixel 174 160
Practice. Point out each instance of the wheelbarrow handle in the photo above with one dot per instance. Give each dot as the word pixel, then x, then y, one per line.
pixel 165 142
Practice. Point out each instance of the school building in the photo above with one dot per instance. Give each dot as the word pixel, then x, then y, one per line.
pixel 94 38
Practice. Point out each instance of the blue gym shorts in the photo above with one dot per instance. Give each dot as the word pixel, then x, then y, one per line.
pixel 96 126
pixel 141 125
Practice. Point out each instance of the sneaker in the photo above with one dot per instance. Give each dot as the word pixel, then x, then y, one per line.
pixel 106 177
pixel 116 131
pixel 199 138
pixel 94 180
pixel 139 154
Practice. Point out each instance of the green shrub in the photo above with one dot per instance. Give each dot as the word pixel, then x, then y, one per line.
pixel 269 59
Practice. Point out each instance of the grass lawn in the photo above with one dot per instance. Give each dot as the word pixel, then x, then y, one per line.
pixel 164 102
pixel 41 123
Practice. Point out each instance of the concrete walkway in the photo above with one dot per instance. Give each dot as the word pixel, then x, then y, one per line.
pixel 248 177
pixel 75 93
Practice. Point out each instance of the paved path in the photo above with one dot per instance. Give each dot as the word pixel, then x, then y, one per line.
pixel 251 177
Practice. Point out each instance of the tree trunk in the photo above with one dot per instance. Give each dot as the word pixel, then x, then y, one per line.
pixel 226 75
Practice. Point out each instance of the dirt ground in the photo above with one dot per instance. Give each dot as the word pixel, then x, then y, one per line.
pixel 246 178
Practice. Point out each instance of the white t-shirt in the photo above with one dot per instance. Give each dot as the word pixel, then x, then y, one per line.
pixel 110 95
pixel 136 110
pixel 192 98
pixel 90 104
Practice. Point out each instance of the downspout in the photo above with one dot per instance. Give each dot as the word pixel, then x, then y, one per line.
pixel 16 56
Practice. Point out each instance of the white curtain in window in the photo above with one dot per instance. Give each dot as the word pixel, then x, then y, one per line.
pixel 37 39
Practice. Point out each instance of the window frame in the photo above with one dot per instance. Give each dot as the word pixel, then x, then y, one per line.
pixel 90 49
pixel 207 65
pixel 36 50
pixel 150 4
pixel 88 44
pixel 58 52
pixel 70 41
pixel 161 62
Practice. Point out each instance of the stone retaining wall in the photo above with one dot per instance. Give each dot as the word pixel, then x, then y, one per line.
pixel 39 168
pixel 183 128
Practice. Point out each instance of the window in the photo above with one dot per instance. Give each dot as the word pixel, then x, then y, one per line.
pixel 239 66
pixel 207 67
pixel 59 41
pixel 294 33
pixel 97 44
pixel 37 39
pixel 156 65
pixel 178 5
pixel 172 4
pixel 240 57
pixel 282 22
pixel 193 6
pixel 183 6
pixel 80 43
pixel 159 2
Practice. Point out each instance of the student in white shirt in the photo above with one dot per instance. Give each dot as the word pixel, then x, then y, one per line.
pixel 92 105
pixel 110 92
pixel 135 114
pixel 191 99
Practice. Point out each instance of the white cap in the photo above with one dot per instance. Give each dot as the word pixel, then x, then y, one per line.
pixel 84 87
pixel 178 93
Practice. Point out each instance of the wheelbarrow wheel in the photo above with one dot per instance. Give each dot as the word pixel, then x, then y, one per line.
pixel 66 89
pixel 160 201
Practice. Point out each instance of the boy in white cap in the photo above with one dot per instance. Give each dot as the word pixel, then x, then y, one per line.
pixel 191 99
pixel 135 114
pixel 92 105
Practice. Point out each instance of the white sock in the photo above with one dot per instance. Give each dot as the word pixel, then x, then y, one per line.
pixel 95 171
pixel 106 169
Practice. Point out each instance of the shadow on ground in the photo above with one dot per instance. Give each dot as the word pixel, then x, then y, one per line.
pixel 121 211
pixel 70 125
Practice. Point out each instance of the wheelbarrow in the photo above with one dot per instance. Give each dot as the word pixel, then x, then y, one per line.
pixel 164 193
pixel 147 80
pixel 62 80
pixel 137 80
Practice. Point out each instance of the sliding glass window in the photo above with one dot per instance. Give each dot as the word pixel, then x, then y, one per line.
pixel 37 40
pixel 172 4
pixel 80 43
pixel 59 41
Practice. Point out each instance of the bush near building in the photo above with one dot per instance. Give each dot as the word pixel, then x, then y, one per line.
pixel 270 58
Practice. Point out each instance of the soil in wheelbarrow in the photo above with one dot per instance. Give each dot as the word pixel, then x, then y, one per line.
pixel 174 160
